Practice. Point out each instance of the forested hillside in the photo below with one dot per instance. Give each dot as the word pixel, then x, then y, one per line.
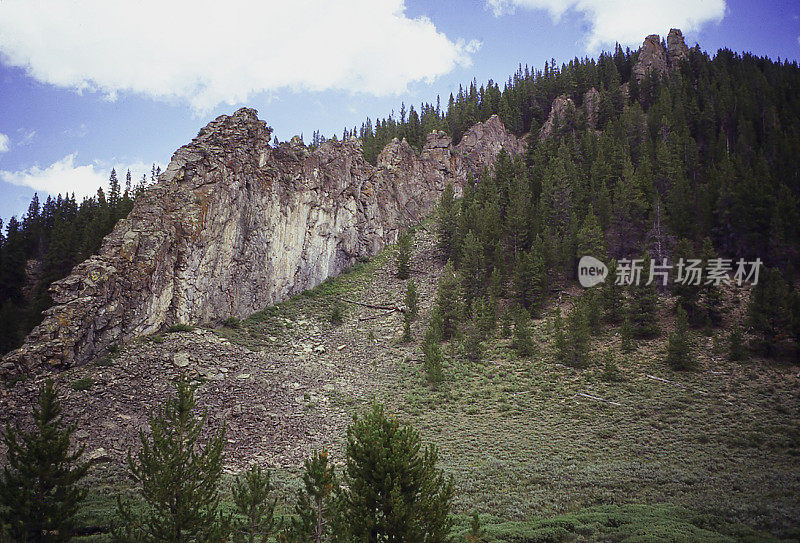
pixel 51 238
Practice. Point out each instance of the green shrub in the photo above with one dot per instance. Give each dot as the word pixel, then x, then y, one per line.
pixel 180 327
pixel 83 384
pixel 337 313
pixel 232 322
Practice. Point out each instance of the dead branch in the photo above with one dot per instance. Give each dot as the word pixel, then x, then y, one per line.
pixel 378 316
pixel 701 391
pixel 599 399
pixel 399 308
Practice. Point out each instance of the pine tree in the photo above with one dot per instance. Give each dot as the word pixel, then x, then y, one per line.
pixel 473 341
pixel 178 479
pixel 475 534
pixel 610 371
pixel 736 347
pixel 626 335
pixel 448 222
pixel 448 301
pixel 530 278
pixel 403 258
pixel 393 489
pixel 577 337
pixel 679 349
pixel 712 302
pixel 642 308
pixel 687 291
pixel 471 267
pixel 523 336
pixel 591 241
pixel 412 299
pixel 611 296
pixel 767 312
pixel 316 513
pixel 433 359
pixel 39 491
pixel 255 507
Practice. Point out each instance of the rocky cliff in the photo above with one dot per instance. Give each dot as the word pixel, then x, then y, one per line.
pixel 234 225
pixel 655 57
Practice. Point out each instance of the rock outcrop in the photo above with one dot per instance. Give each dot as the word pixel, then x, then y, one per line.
pixel 652 58
pixel 562 107
pixel 677 51
pixel 655 58
pixel 591 106
pixel 234 225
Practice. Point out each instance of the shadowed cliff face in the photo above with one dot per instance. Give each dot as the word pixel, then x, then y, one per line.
pixel 235 225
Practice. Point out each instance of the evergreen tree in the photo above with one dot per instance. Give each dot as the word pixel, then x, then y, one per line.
pixel 523 336
pixel 412 299
pixel 611 296
pixel 472 343
pixel 39 490
pixel 591 241
pixel 475 534
pixel 433 359
pixel 530 278
pixel 403 258
pixel 679 349
pixel 642 308
pixel 393 489
pixel 687 291
pixel 448 301
pixel 767 312
pixel 316 509
pixel 471 267
pixel 255 507
pixel 712 302
pixel 575 346
pixel 448 222
pixel 626 335
pixel 178 479
pixel 736 347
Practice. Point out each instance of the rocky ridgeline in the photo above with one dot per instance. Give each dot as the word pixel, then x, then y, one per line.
pixel 235 224
pixel 654 57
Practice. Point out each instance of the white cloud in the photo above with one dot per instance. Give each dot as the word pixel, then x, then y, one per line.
pixel 210 52
pixel 65 177
pixel 5 142
pixel 624 21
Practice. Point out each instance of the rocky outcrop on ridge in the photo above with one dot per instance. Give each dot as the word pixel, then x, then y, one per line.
pixel 562 106
pixel 655 58
pixel 234 225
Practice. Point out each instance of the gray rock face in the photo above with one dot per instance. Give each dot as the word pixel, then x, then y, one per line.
pixel 234 225
pixel 591 106
pixel 677 51
pixel 561 107
pixel 653 57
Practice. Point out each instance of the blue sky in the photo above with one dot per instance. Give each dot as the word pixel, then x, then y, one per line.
pixel 100 84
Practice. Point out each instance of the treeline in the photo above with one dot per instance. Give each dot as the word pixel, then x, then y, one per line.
pixel 47 243
pixel 710 150
pixel 523 102
pixel 390 488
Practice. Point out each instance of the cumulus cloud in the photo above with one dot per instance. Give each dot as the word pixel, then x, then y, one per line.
pixel 210 52
pixel 5 142
pixel 66 177
pixel 624 21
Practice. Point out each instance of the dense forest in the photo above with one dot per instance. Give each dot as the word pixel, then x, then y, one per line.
pixel 43 247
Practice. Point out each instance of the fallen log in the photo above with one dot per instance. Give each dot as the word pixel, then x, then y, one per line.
pixel 400 308
pixel 598 398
